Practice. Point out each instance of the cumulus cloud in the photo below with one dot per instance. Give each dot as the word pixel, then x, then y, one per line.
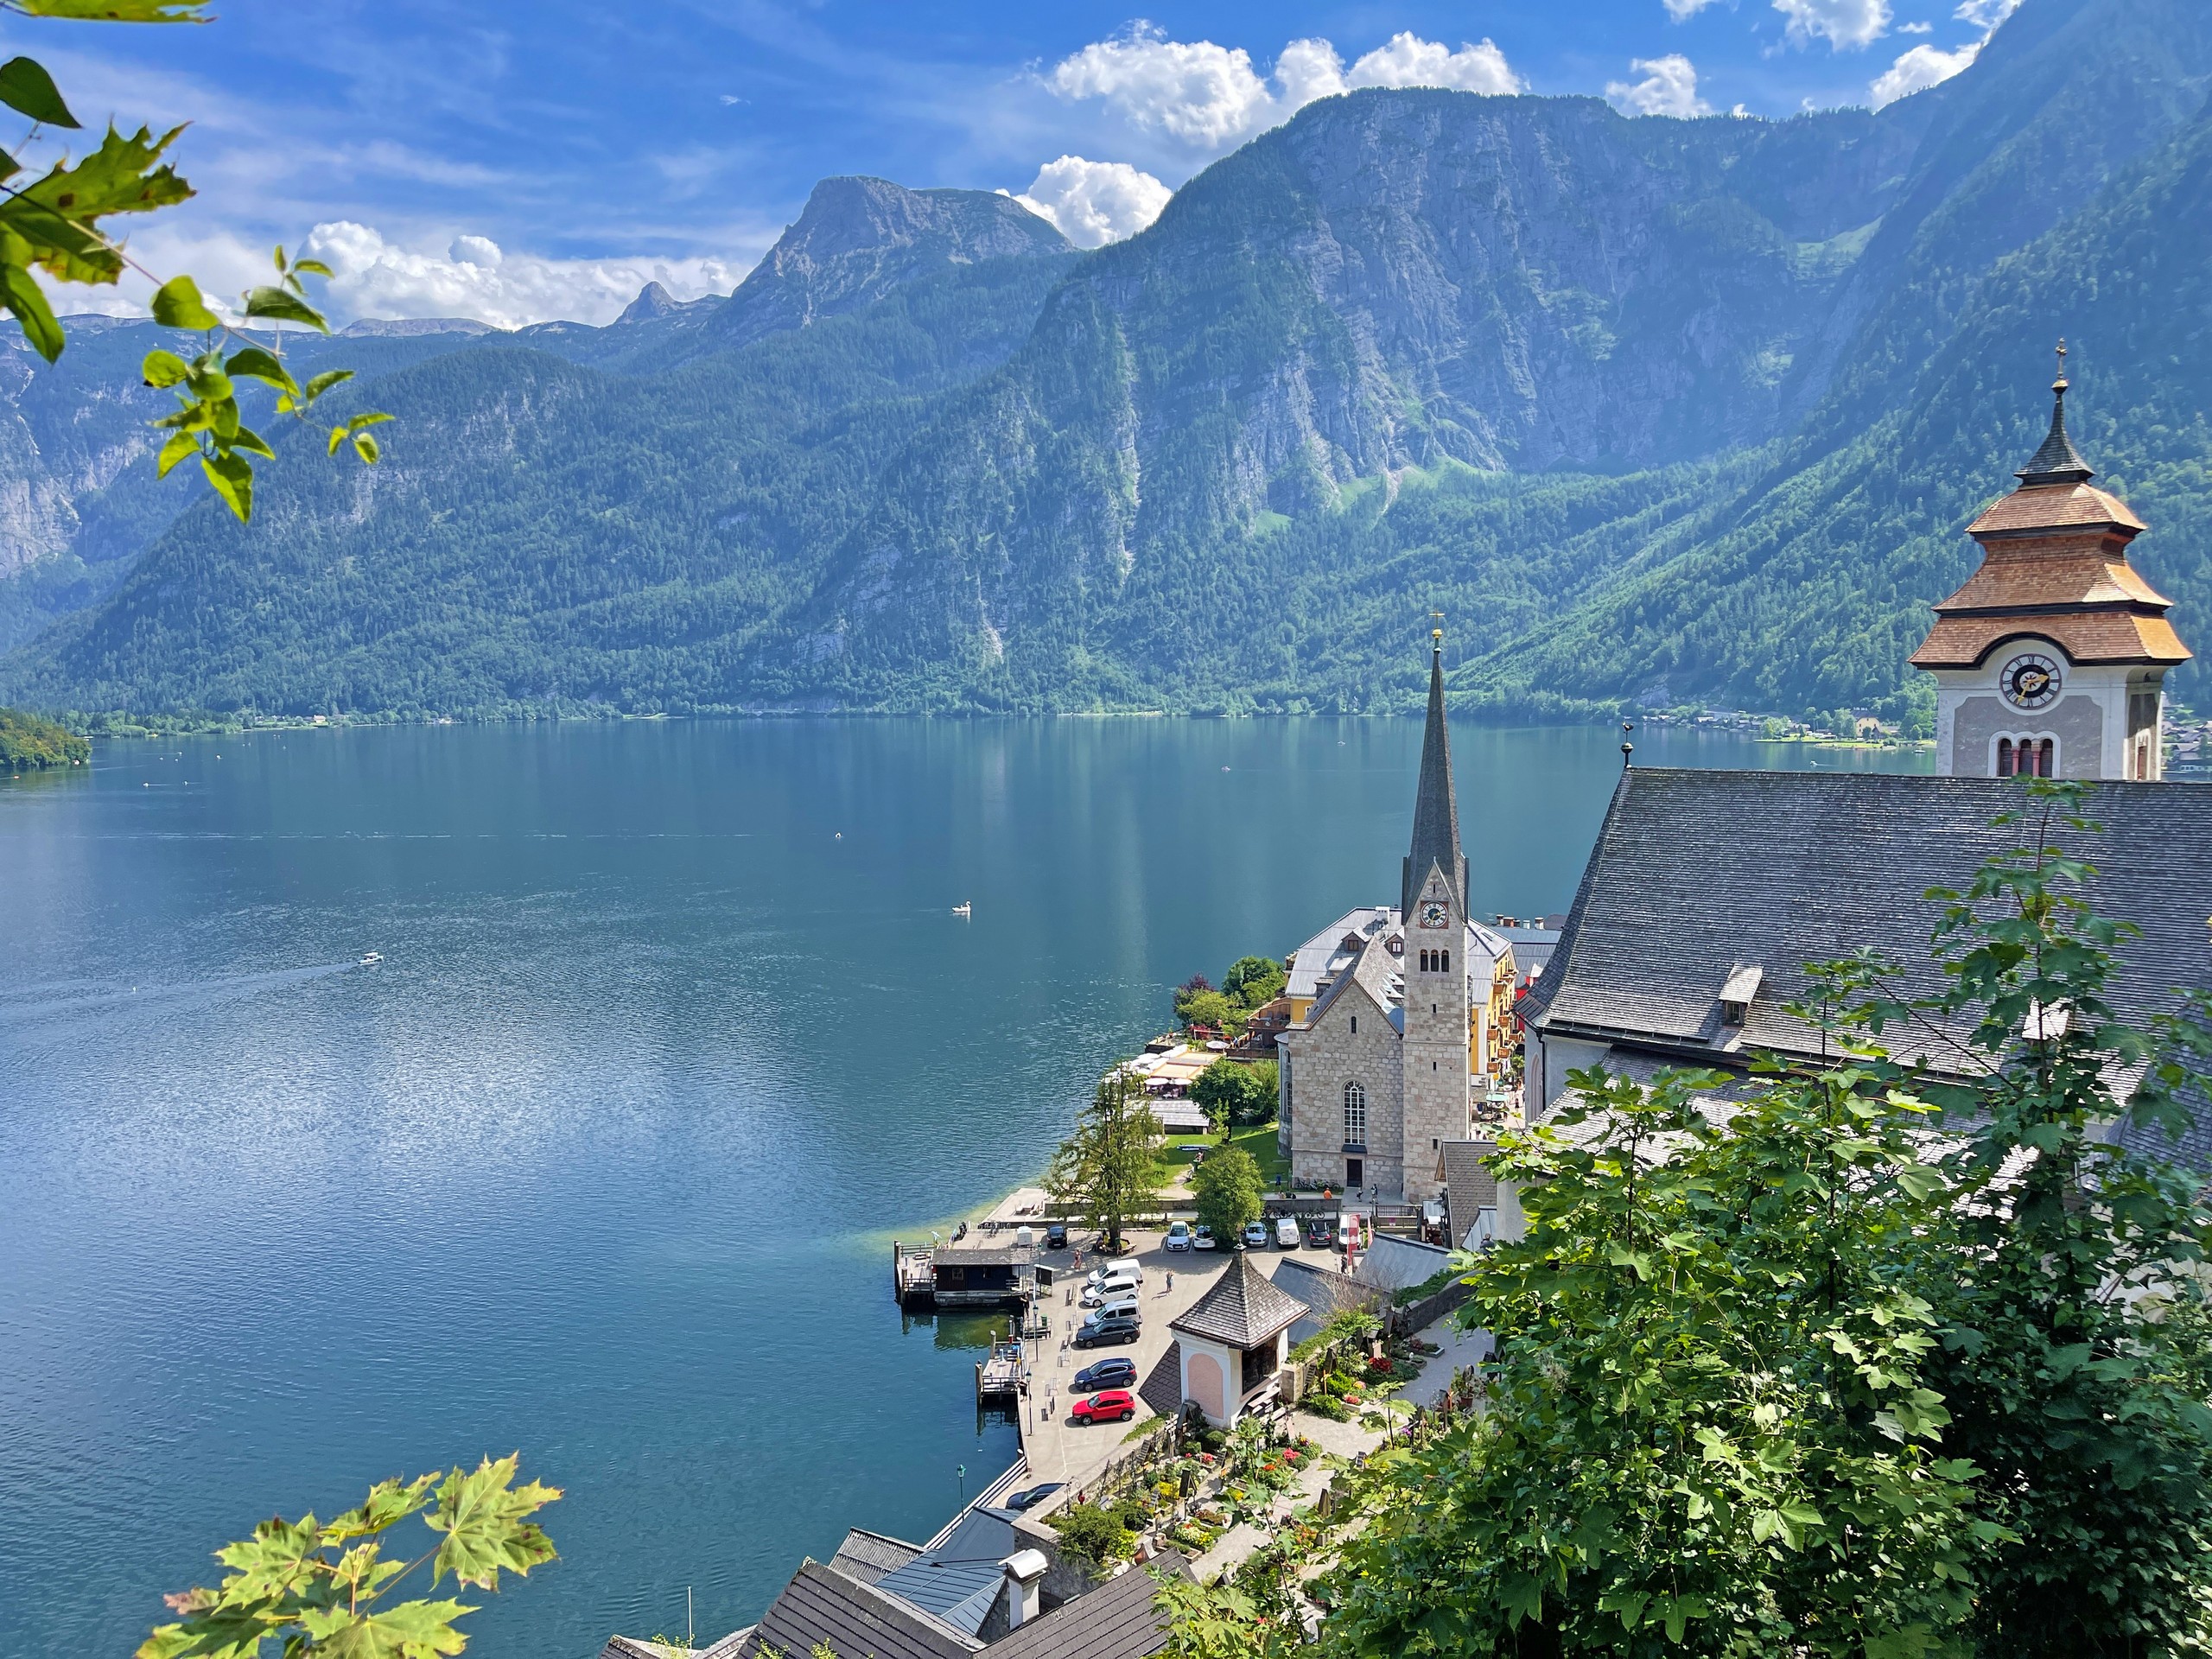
pixel 1842 23
pixel 1407 61
pixel 1917 70
pixel 1924 66
pixel 475 277
pixel 1209 97
pixel 1669 87
pixel 1095 202
pixel 1682 11
pixel 1203 94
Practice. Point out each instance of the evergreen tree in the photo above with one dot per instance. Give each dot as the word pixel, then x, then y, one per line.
pixel 1108 1166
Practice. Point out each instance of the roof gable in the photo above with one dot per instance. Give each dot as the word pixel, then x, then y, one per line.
pixel 1243 1309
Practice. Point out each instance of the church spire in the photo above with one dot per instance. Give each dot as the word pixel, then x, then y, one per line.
pixel 2058 461
pixel 1436 808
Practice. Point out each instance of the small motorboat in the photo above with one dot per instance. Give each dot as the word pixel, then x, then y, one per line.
pixel 963 910
pixel 372 958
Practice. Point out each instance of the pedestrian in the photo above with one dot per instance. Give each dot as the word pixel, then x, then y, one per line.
pixel 1171 1286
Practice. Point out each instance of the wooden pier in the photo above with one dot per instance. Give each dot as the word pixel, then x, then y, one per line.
pixel 1003 1374
pixel 913 1276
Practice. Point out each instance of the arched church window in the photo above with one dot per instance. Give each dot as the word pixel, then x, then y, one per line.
pixel 2004 757
pixel 2046 752
pixel 1355 1115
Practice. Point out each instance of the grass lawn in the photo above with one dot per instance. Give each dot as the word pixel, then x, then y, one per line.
pixel 1259 1140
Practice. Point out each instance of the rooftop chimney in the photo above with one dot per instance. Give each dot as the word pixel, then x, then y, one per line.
pixel 1025 1570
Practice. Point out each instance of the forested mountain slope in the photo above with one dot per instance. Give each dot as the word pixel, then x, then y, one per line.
pixel 1645 406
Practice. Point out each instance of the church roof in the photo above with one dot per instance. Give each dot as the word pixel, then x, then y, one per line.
pixel 1436 806
pixel 2057 462
pixel 2054 566
pixel 1695 871
pixel 1375 971
pixel 1243 1309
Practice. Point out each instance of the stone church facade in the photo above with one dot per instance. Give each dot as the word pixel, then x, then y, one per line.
pixel 1384 1058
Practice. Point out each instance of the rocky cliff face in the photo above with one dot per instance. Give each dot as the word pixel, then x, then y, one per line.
pixel 859 239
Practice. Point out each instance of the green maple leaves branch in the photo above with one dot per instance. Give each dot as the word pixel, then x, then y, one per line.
pixel 52 224
pixel 318 1588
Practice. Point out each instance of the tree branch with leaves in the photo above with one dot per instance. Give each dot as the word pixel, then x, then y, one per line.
pixel 52 226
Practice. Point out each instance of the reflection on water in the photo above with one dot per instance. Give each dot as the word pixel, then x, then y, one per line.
pixel 674 1031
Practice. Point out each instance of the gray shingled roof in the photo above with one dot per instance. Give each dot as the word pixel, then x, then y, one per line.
pixel 1469 1185
pixel 822 1606
pixel 1162 1388
pixel 1697 872
pixel 868 1555
pixel 1120 1619
pixel 1323 1292
pixel 1243 1309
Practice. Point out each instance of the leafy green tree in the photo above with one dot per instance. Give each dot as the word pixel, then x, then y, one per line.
pixel 52 226
pixel 326 1588
pixel 1707 1426
pixel 1190 987
pixel 2069 1293
pixel 1227 1190
pixel 1213 1009
pixel 1263 1094
pixel 1253 980
pixel 28 742
pixel 1107 1166
pixel 1236 1093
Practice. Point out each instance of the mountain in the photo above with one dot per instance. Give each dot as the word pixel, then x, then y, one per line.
pixel 1652 408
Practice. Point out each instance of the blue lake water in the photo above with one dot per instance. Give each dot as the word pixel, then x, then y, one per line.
pixel 674 1034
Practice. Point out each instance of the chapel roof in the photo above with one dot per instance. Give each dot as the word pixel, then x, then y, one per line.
pixel 819 1605
pixel 1120 1619
pixel 1243 1309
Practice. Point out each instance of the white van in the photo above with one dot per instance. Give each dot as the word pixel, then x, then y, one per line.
pixel 1287 1232
pixel 1348 1226
pixel 1127 1267
pixel 1113 1288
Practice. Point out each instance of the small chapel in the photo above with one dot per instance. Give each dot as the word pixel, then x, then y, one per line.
pixel 1397 1012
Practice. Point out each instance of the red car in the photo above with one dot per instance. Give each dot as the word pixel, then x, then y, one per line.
pixel 1113 1406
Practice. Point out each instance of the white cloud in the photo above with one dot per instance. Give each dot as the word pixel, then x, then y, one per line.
pixel 1924 66
pixel 1682 11
pixel 1307 70
pixel 1095 202
pixel 1915 28
pixel 1917 70
pixel 1407 61
pixel 476 278
pixel 1669 87
pixel 1841 23
pixel 1210 98
pixel 1203 94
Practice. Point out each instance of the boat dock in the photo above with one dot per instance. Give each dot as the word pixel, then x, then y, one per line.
pixel 913 1276
pixel 1005 1375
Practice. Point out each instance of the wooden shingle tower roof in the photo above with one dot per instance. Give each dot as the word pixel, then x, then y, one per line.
pixel 2055 565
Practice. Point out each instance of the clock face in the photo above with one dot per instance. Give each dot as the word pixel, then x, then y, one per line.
pixel 2029 681
pixel 1435 913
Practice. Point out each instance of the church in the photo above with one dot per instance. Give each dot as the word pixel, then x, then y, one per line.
pixel 1398 1014
pixel 1708 892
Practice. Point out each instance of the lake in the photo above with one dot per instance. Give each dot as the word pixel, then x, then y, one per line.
pixel 675 1032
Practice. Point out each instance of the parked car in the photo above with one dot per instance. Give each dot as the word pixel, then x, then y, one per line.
pixel 1118 1372
pixel 1178 1236
pixel 1032 1497
pixel 1113 1406
pixel 1317 1232
pixel 1256 1236
pixel 1202 1238
pixel 1286 1233
pixel 1125 1305
pixel 1109 1290
pixel 1056 1235
pixel 1348 1231
pixel 1129 1268
pixel 1107 1333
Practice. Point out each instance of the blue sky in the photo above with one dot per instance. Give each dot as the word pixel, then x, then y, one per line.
pixel 520 162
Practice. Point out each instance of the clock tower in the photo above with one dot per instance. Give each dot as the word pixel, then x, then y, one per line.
pixel 2051 661
pixel 1432 903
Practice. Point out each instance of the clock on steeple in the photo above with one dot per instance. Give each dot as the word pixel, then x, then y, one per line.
pixel 2051 661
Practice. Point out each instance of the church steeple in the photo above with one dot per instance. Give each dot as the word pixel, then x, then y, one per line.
pixel 1436 808
pixel 2058 461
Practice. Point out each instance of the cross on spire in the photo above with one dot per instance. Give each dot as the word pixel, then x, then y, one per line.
pixel 2059 385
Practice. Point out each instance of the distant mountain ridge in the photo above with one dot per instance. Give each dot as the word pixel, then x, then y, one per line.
pixel 1650 407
